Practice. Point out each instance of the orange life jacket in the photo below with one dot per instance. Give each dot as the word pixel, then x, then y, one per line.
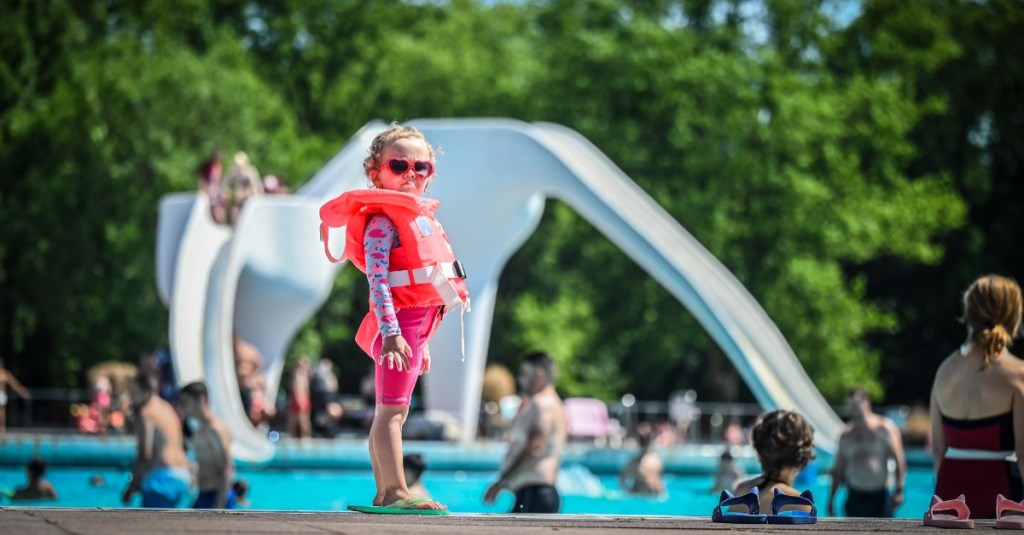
pixel 423 270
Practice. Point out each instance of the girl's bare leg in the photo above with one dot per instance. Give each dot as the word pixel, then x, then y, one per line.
pixel 386 441
pixel 378 498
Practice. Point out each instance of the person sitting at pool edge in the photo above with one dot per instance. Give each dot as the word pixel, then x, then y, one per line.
pixel 784 442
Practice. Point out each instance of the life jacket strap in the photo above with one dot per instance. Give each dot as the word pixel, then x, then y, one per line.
pixel 324 234
pixel 423 275
pixel 438 276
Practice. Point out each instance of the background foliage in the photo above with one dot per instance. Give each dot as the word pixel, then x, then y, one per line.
pixel 853 163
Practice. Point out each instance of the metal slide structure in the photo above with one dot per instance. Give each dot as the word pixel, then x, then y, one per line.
pixel 268 275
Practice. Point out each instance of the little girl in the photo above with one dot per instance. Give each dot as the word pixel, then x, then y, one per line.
pixel 393 236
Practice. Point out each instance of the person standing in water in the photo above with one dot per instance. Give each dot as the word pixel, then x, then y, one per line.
pixel 211 441
pixel 866 446
pixel 160 471
pixel 642 474
pixel 37 487
pixel 536 440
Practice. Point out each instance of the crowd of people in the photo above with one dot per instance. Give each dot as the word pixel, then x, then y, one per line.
pixel 183 452
pixel 229 192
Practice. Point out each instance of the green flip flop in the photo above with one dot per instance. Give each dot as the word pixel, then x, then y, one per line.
pixel 401 507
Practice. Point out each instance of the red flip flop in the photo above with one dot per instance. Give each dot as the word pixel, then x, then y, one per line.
pixel 1016 510
pixel 939 516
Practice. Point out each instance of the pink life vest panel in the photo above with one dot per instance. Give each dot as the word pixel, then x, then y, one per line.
pixel 423 270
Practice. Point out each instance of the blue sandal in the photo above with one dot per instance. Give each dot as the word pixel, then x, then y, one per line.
pixel 782 499
pixel 751 499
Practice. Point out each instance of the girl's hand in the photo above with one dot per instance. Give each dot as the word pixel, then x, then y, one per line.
pixel 396 352
pixel 426 361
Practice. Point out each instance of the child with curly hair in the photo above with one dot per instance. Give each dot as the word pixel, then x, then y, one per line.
pixel 784 442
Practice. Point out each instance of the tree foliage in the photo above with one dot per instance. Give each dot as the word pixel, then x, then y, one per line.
pixel 852 172
pixel 124 120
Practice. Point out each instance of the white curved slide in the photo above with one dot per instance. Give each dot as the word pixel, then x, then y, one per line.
pixel 262 280
pixel 202 241
pixel 493 179
pixel 189 282
pixel 270 280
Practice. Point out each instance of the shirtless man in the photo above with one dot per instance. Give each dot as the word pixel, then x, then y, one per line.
pixel 300 405
pixel 536 440
pixel 211 441
pixel 642 474
pixel 862 462
pixel 7 378
pixel 160 471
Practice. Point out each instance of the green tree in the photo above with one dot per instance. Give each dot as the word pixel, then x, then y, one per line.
pixel 93 147
pixel 792 178
pixel 960 63
pixel 853 177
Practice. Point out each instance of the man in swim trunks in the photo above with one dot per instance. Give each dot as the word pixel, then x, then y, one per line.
pixel 862 463
pixel 160 471
pixel 211 442
pixel 536 440
pixel 7 378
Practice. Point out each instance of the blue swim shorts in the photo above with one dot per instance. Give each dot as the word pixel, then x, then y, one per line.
pixel 166 488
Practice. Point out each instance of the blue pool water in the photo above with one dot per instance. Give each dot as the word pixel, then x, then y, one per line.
pixel 334 490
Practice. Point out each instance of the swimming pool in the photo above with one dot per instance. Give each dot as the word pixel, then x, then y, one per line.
pixel 333 490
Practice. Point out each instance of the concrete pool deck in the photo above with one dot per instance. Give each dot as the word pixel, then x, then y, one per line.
pixel 65 521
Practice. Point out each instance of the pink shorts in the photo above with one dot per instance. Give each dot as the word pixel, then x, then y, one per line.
pixel 418 325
